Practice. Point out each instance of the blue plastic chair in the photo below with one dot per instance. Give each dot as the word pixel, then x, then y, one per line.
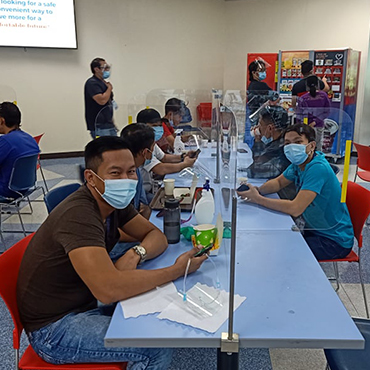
pixel 351 359
pixel 55 196
pixel 23 182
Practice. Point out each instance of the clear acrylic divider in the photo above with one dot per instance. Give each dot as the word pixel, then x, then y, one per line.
pixel 7 93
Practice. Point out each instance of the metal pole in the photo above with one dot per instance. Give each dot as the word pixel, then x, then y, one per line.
pixel 232 267
pixel 217 179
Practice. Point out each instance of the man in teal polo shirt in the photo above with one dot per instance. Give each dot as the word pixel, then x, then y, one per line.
pixel 328 228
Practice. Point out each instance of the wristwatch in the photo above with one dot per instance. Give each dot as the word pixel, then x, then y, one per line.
pixel 141 252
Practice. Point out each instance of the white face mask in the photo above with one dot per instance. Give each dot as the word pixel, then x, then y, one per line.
pixel 118 192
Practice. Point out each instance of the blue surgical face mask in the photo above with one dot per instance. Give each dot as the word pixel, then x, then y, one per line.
pixel 106 74
pixel 118 192
pixel 266 140
pixel 296 153
pixel 148 161
pixel 158 132
pixel 262 75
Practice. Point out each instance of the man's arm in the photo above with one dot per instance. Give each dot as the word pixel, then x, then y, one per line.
pixel 167 168
pixel 326 85
pixel 293 207
pixel 109 284
pixel 274 185
pixel 171 158
pixel 103 98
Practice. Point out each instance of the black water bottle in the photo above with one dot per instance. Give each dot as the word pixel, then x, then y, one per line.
pixel 171 220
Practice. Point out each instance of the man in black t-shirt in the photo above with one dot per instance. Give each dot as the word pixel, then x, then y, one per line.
pixel 99 100
pixel 299 88
pixel 66 268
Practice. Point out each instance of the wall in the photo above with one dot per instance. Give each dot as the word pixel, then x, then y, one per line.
pixel 192 44
pixel 151 44
pixel 270 26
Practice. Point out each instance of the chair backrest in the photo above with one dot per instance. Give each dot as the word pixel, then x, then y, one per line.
pixel 55 196
pixel 23 176
pixel 10 262
pixel 335 168
pixel 363 156
pixel 38 138
pixel 358 203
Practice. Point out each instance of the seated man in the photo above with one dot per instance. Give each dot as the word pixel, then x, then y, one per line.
pixel 268 149
pixel 66 268
pixel 140 140
pixel 14 143
pixel 328 230
pixel 161 164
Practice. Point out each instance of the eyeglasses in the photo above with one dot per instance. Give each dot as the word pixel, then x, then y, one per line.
pixel 105 67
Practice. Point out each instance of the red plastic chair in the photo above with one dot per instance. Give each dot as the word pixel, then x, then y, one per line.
pixel 204 112
pixel 363 162
pixel 358 203
pixel 37 139
pixel 10 263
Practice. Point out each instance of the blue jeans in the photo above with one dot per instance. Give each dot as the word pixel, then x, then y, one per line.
pixel 324 248
pixel 120 249
pixel 103 132
pixel 79 338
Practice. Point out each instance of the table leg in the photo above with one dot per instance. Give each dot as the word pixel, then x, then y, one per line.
pixel 227 361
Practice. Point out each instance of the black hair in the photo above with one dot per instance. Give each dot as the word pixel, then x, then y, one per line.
pixel 306 67
pixel 173 105
pixel 94 150
pixel 96 63
pixel 275 115
pixel 11 114
pixel 253 68
pixel 138 136
pixel 148 115
pixel 312 83
pixel 302 129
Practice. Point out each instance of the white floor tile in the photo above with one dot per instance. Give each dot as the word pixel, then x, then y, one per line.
pixel 49 175
pixel 354 294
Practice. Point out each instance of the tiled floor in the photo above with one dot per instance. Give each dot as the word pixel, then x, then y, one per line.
pixel 61 172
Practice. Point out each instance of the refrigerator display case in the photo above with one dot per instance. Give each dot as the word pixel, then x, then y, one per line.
pixel 341 69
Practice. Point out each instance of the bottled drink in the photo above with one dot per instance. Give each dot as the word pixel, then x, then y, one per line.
pixel 171 220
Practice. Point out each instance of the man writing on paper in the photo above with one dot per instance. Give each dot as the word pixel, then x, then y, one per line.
pixel 66 268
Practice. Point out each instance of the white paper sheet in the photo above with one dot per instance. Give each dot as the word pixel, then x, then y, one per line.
pixel 210 319
pixel 155 300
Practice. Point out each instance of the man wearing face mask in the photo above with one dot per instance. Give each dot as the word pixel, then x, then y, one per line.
pixel 66 268
pixel 174 111
pixel 328 228
pixel 99 100
pixel 257 90
pixel 269 159
pixel 161 163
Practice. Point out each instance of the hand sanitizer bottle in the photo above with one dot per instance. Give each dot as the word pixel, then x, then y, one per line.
pixel 179 146
pixel 205 208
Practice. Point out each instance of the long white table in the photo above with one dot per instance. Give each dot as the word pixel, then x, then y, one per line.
pixel 290 302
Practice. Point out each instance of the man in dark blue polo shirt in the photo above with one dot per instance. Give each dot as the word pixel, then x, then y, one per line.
pixel 14 143
pixel 99 100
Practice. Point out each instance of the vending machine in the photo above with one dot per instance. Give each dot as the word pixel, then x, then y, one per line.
pixel 341 69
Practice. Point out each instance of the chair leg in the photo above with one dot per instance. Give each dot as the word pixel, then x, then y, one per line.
pixel 355 174
pixel 335 265
pixel 327 367
pixel 16 359
pixel 20 219
pixel 43 177
pixel 363 289
pixel 29 203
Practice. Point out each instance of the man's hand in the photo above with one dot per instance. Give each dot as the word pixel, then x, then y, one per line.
pixel 196 262
pixel 251 195
pixel 312 124
pixel 109 85
pixel 189 162
pixel 128 261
